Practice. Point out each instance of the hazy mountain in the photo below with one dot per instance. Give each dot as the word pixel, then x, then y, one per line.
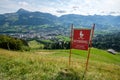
pixel 99 20
pixel 24 17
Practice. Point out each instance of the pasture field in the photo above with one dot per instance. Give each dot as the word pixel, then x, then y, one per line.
pixel 53 65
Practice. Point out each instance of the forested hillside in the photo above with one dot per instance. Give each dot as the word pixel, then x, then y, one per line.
pixel 11 43
pixel 23 21
pixel 107 41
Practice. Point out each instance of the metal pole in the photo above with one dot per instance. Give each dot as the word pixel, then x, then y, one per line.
pixel 71 36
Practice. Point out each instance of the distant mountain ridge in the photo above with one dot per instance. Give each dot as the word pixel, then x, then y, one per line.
pixel 24 17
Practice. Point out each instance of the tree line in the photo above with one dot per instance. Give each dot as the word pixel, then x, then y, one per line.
pixel 56 44
pixel 11 43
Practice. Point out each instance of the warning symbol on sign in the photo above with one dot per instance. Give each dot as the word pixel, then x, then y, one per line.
pixel 81 35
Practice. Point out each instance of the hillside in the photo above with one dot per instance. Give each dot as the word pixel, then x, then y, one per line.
pixel 53 65
pixel 23 21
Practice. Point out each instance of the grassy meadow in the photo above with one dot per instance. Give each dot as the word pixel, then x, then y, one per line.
pixel 53 65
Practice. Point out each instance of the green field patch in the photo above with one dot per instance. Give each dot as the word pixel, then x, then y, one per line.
pixel 35 45
pixel 63 38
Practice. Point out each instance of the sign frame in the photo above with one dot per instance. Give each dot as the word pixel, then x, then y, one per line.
pixel 81 38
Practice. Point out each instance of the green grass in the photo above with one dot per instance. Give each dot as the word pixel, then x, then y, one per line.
pixel 47 41
pixel 95 55
pixel 53 65
pixel 35 45
pixel 63 38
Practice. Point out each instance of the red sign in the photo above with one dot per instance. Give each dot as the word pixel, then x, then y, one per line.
pixel 81 39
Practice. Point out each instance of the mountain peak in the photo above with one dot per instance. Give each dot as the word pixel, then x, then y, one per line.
pixel 21 10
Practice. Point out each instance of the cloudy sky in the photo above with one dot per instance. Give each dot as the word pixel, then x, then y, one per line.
pixel 60 7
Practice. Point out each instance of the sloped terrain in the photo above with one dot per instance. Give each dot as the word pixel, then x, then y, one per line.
pixel 54 66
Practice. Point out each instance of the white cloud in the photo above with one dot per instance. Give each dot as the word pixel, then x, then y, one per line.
pixel 23 3
pixel 83 7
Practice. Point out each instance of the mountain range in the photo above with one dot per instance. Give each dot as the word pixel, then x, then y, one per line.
pixel 26 18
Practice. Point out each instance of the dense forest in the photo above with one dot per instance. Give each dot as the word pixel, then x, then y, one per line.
pixel 107 41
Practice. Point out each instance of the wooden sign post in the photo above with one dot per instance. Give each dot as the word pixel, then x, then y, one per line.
pixel 90 47
pixel 81 39
pixel 71 44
